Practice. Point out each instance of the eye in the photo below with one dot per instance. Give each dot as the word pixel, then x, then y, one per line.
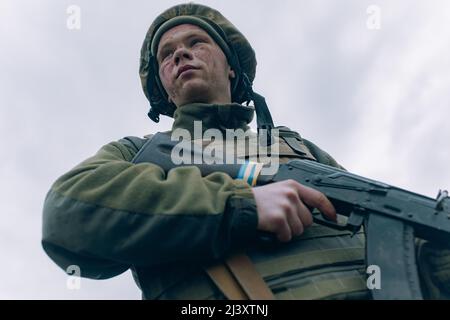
pixel 166 54
pixel 196 40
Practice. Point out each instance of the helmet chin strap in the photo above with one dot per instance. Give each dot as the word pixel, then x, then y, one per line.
pixel 263 120
pixel 263 117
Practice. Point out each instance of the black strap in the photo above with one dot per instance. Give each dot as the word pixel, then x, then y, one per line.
pixel 158 150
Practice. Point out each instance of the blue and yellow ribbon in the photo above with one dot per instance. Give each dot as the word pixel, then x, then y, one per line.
pixel 249 172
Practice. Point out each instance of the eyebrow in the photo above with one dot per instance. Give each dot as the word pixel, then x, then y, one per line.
pixel 189 35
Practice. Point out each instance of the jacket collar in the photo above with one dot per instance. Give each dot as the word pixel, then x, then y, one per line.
pixel 218 116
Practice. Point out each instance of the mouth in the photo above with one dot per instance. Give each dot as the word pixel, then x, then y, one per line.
pixel 185 68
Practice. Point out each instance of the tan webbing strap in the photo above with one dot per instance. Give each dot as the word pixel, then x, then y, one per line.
pixel 249 278
pixel 241 280
pixel 225 281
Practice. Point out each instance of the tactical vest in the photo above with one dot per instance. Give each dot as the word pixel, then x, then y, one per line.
pixel 322 263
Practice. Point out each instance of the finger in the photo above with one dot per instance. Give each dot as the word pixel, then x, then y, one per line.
pixel 318 200
pixel 283 231
pixel 305 215
pixel 294 221
pixel 302 212
pixel 299 220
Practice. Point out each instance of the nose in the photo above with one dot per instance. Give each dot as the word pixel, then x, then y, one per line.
pixel 182 53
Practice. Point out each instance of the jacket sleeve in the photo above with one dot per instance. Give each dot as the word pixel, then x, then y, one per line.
pixel 107 214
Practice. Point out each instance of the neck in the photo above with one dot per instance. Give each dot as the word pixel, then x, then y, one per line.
pixel 203 116
pixel 194 98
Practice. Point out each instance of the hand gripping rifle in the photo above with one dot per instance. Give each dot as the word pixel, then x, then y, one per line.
pixel 392 217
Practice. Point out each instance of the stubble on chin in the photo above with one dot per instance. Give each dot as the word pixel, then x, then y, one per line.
pixel 194 92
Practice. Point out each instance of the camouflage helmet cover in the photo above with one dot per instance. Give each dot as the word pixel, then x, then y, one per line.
pixel 240 48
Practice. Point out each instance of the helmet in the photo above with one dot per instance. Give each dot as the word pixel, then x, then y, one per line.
pixel 237 49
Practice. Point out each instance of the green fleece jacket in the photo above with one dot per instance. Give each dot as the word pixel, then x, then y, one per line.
pixel 107 214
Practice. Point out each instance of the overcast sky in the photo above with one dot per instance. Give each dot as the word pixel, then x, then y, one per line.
pixel 378 100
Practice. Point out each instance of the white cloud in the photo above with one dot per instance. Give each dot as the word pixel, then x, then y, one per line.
pixel 378 101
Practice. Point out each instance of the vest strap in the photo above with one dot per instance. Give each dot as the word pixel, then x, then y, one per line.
pixel 225 281
pixel 238 279
pixel 249 278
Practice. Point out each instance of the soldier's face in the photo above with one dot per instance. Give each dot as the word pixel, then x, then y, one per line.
pixel 192 67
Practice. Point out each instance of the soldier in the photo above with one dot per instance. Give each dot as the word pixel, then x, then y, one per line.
pixel 177 230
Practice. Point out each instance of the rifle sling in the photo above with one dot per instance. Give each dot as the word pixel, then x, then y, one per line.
pixel 238 279
pixel 225 281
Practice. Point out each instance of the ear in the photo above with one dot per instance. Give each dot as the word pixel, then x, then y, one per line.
pixel 231 74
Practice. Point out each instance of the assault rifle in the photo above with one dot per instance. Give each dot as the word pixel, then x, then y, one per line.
pixel 392 217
